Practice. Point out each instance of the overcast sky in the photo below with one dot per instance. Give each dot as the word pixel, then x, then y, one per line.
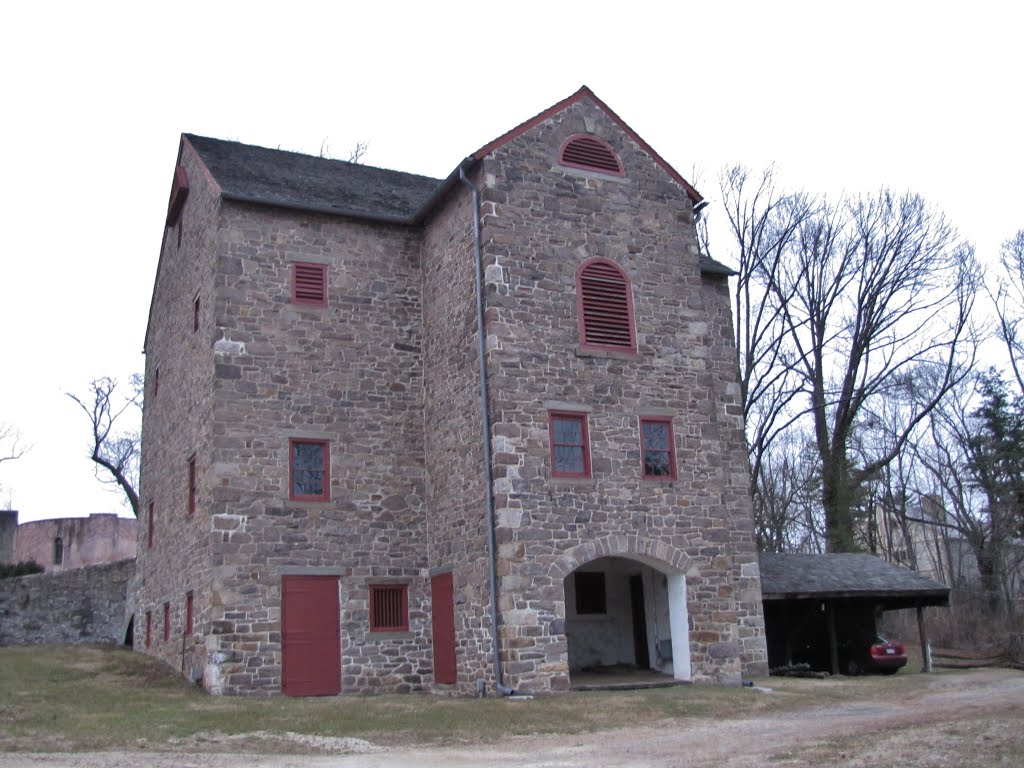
pixel 841 96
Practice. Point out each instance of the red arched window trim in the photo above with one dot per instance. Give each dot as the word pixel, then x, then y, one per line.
pixel 590 153
pixel 604 307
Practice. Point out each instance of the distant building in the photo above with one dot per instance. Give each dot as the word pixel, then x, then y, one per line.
pixel 69 542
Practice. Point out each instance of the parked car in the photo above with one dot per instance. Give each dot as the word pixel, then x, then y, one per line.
pixel 873 655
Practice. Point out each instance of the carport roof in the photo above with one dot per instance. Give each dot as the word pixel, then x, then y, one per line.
pixel 819 577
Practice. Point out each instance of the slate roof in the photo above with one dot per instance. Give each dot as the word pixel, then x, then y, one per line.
pixel 251 174
pixel 275 177
pixel 790 576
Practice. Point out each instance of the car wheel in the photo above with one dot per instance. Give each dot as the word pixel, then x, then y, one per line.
pixel 854 668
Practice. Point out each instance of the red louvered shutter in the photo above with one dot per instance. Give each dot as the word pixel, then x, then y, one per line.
pixel 590 153
pixel 309 284
pixel 605 307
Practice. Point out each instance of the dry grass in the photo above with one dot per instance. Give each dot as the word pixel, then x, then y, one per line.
pixel 65 699
pixel 91 698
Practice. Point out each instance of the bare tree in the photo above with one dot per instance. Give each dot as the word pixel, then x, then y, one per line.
pixel 114 449
pixel 762 222
pixel 1009 302
pixel 876 289
pixel 11 447
pixel 355 155
pixel 970 467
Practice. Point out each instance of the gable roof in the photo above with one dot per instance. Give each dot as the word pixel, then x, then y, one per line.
pixel 792 576
pixel 585 93
pixel 252 174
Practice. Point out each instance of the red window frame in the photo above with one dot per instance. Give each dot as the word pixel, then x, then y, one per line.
pixel 389 608
pixel 149 629
pixel 189 601
pixel 149 527
pixel 192 492
pixel 590 153
pixel 167 622
pixel 584 444
pixel 669 452
pixel 309 284
pixel 325 470
pixel 195 314
pixel 604 307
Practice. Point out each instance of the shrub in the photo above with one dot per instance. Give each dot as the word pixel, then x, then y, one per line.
pixel 9 570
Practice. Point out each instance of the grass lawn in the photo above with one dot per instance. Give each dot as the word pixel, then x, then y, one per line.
pixel 93 698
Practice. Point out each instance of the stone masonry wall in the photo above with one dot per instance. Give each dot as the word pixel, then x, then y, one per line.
pixel 456 518
pixel 82 605
pixel 8 531
pixel 85 541
pixel 176 425
pixel 349 373
pixel 541 221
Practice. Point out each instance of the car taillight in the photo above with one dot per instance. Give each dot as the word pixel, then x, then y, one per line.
pixel 878 650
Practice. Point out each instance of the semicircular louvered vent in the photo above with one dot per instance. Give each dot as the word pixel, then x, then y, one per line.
pixel 605 307
pixel 582 150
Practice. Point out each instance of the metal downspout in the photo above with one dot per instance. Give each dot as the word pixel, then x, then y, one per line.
pixel 485 419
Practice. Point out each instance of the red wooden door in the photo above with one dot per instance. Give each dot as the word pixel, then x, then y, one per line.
pixel 442 619
pixel 310 636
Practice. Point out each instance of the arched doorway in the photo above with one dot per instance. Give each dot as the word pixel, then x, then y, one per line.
pixel 626 613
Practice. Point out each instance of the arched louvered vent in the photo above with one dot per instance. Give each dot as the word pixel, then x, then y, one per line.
pixel 605 306
pixel 590 153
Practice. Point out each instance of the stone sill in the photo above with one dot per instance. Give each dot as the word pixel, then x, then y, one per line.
pixel 606 353
pixel 582 482
pixel 390 636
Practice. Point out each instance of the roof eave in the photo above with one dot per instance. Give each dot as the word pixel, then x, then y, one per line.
pixel 235 197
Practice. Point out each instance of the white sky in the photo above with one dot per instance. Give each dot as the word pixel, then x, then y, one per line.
pixel 914 95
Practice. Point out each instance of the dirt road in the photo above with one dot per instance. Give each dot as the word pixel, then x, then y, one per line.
pixel 964 719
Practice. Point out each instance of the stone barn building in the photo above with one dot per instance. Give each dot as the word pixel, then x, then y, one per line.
pixel 462 434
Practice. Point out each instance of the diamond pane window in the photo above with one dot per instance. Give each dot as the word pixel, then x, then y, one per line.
pixel 309 470
pixel 657 449
pixel 570 454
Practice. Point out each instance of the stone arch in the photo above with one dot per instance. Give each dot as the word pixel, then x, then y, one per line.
pixel 658 556
pixel 655 553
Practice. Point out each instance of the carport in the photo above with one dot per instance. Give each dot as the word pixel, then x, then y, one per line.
pixel 810 601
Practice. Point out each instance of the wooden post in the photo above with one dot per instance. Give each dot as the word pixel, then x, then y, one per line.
pixel 833 650
pixel 926 650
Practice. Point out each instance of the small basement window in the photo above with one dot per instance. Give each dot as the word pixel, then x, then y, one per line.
pixel 589 153
pixel 389 608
